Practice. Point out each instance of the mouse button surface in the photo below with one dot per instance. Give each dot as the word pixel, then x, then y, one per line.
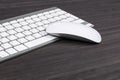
pixel 91 34
pixel 88 33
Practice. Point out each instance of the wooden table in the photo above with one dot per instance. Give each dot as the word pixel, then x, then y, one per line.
pixel 68 59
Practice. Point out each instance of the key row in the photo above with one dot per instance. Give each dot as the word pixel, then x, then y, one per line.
pixel 21 47
pixel 21 35
pixel 15 25
pixel 6 43
pixel 33 18
pixel 39 17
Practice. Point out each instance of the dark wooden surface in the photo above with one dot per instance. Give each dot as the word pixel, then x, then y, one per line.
pixel 69 59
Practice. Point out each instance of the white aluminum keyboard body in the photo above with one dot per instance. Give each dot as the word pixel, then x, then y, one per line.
pixel 27 32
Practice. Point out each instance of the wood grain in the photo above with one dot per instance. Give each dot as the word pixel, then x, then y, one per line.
pixel 69 59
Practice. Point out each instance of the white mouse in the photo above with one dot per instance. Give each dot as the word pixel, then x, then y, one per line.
pixel 74 31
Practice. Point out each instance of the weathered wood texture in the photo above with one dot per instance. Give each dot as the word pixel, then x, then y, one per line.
pixel 69 59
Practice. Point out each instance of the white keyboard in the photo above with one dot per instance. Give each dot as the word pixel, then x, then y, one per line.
pixel 27 32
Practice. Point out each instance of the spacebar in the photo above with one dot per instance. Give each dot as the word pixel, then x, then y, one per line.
pixel 41 41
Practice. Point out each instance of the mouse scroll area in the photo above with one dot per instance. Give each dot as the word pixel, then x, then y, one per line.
pixel 74 31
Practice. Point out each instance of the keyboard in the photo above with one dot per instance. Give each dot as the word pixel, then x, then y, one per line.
pixel 20 34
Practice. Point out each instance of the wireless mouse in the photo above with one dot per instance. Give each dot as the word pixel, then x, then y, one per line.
pixel 74 31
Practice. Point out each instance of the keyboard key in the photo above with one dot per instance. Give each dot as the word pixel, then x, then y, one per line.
pixel 8 27
pixel 30 21
pixel 20 20
pixel 39 23
pixel 4 40
pixel 51 20
pixel 70 19
pixel 48 16
pixel 14 43
pixel 41 14
pixel 3 54
pixel 11 51
pixel 34 30
pixel 5 24
pixel 12 37
pixel 52 11
pixel 26 18
pixel 23 23
pixel 45 22
pixel 57 18
pixel 42 17
pixel 22 40
pixel 36 19
pixel 4 34
pixel 38 41
pixel 41 28
pixel 20 47
pixel 30 37
pixel 13 22
pixel 19 35
pixel 43 33
pixel 46 13
pixel 11 32
pixel 37 35
pixel 61 12
pixel 16 25
pixel 6 45
pixel 27 33
pixel 26 27
pixel 33 25
pixel 56 10
pixel 19 29
pixel 33 16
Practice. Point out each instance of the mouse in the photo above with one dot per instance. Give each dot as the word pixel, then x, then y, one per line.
pixel 74 31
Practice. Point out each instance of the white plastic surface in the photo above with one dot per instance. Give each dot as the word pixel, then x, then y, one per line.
pixel 79 31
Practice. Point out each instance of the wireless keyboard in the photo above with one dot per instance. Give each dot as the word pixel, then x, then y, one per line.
pixel 27 32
